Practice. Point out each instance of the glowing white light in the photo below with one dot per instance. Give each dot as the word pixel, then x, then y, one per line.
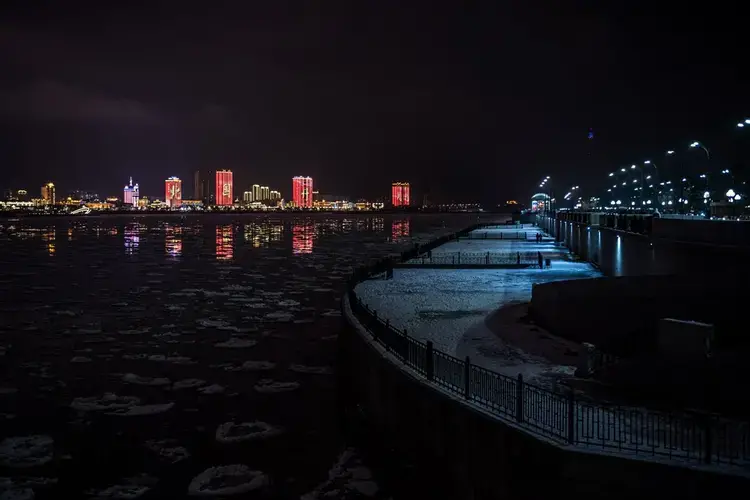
pixel 670 152
pixel 669 202
pixel 648 177
pixel 730 193
pixel 740 125
pixel 632 166
pixel 623 170
pixel 706 194
pixel 611 174
pixel 648 202
pixel 647 162
pixel 737 197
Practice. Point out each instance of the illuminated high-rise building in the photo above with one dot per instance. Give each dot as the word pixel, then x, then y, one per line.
pixel 264 193
pixel 247 196
pixel 256 192
pixel 173 192
pixel 400 194
pixel 130 194
pixel 274 196
pixel 302 189
pixel 224 188
pixel 48 194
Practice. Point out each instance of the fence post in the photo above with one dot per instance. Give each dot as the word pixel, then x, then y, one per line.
pixel 459 258
pixel 387 331
pixel 467 378
pixel 709 439
pixel 487 259
pixel 519 398
pixel 453 260
pixel 571 418
pixel 428 368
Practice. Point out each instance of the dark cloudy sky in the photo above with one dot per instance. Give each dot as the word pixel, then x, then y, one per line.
pixel 467 100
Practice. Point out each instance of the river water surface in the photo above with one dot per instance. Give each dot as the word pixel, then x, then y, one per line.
pixel 143 354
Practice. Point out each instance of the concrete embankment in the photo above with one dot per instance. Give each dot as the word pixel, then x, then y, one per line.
pixel 472 453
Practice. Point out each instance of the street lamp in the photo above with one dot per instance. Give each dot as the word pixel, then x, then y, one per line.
pixel 696 144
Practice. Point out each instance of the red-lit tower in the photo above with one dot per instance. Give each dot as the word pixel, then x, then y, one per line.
pixel 302 188
pixel 173 192
pixel 400 194
pixel 224 188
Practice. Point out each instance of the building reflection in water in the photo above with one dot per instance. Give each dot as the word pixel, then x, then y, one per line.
pixel 173 241
pixel 378 224
pixel 261 235
pixel 225 242
pixel 48 237
pixel 132 234
pixel 400 229
pixel 302 237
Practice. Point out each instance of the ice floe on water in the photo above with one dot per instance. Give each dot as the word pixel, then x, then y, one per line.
pixel 107 402
pixel 135 331
pixel 132 378
pixel 267 385
pixel 17 494
pixel 318 370
pixel 80 359
pixel 212 389
pixel 348 478
pixel 229 432
pixel 136 411
pixel 227 480
pixel 168 450
pixel 26 451
pixel 132 487
pixel 257 365
pixel 8 390
pixel 237 343
pixel 188 383
pixel 279 316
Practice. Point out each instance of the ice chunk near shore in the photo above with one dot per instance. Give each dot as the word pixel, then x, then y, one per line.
pixel 269 386
pixel 168 450
pixel 109 401
pixel 317 370
pixel 347 474
pixel 26 451
pixel 132 378
pixel 226 480
pixel 136 411
pixel 134 487
pixel 17 494
pixel 229 432
pixel 237 343
pixel 80 359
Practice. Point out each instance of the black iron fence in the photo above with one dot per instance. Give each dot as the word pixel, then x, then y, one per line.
pixel 562 417
pixel 475 258
pixel 503 235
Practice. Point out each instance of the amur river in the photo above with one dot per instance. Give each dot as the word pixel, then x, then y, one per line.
pixel 168 356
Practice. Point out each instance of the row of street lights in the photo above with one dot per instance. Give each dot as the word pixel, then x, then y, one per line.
pixel 649 189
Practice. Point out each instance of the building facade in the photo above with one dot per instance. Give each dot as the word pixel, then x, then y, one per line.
pixel 256 192
pixel 274 195
pixel 130 194
pixel 48 194
pixel 264 193
pixel 173 192
pixel 400 194
pixel 302 188
pixel 224 188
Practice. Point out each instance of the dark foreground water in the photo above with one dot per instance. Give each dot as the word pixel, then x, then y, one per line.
pixel 139 355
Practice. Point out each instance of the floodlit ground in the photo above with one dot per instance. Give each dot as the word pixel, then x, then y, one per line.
pixel 442 304
pixel 165 354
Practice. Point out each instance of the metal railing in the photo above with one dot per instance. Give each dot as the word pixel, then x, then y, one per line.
pixel 475 258
pixel 563 417
pixel 505 235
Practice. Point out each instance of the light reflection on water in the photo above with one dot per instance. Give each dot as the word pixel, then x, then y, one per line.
pixel 225 242
pixel 177 238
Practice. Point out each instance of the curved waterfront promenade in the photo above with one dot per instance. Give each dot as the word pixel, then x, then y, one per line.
pixel 396 377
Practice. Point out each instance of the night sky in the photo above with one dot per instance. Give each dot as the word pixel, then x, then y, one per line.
pixel 465 100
